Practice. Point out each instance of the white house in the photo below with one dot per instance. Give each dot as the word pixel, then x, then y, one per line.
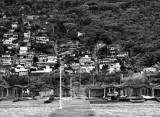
pixel 122 54
pixel 84 59
pixel 21 70
pixel 115 67
pixel 3 71
pixel 42 39
pixel 27 35
pixel 23 50
pixel 8 42
pixel 14 25
pixel 86 64
pixel 47 59
pixel 47 69
pixel 51 59
pixel 6 59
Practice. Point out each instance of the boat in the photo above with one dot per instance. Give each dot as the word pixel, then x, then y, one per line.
pixel 137 100
pixel 148 97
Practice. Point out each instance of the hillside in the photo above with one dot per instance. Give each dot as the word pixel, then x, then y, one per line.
pixel 135 24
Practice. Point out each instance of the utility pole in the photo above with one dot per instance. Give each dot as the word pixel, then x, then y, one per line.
pixel 60 70
pixel 93 78
pixel 80 77
pixel 71 87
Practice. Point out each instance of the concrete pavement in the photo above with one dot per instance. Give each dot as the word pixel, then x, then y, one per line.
pixel 75 108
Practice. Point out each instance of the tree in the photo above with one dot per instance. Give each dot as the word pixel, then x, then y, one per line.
pixel 35 59
pixel 1 50
pixel 102 52
pixel 16 80
pixel 70 26
pixel 135 80
pixel 106 37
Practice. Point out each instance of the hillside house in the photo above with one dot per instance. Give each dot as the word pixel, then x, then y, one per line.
pixel 42 58
pixel 114 67
pixel 10 34
pixel 75 67
pixel 46 60
pixel 72 45
pixel 8 43
pixel 106 61
pixel 122 54
pixel 109 64
pixel 6 59
pixel 51 59
pixel 26 39
pixel 46 26
pixel 114 49
pixel 14 25
pixel 44 69
pixel 15 35
pixel 30 17
pixel 21 70
pixel 23 50
pixel 25 59
pixel 15 45
pixel 42 39
pixel 87 64
pixel 27 35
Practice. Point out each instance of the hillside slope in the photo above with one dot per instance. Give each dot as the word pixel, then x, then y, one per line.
pixel 135 24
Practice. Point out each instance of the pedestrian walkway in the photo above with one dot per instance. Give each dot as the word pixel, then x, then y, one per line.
pixel 75 108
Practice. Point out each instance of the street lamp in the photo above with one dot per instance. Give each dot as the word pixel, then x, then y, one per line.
pixel 60 102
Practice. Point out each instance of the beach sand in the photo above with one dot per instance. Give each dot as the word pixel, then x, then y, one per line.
pixel 127 109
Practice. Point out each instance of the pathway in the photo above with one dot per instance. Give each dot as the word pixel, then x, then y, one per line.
pixel 75 108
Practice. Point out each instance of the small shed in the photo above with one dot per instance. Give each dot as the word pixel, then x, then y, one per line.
pixel 46 91
pixel 4 91
pixel 96 91
pixel 65 91
pixel 102 90
pixel 132 90
pixel 156 91
pixel 17 91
